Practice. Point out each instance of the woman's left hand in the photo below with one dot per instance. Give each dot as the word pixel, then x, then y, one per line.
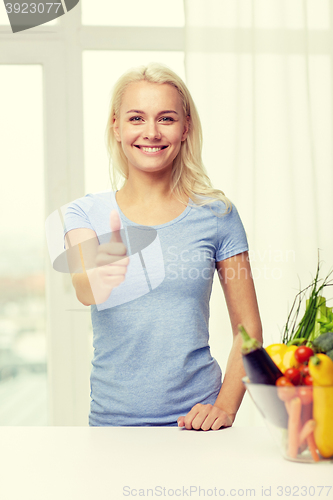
pixel 205 417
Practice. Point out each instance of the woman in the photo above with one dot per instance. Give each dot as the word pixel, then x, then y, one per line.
pixel 149 294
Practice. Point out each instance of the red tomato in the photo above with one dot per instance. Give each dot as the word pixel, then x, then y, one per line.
pixel 304 369
pixel 303 353
pixel 305 394
pixel 308 380
pixel 285 389
pixel 283 381
pixel 294 375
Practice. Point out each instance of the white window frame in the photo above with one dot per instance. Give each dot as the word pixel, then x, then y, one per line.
pixel 59 50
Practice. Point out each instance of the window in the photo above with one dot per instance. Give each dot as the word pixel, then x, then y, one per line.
pixel 133 13
pixel 23 382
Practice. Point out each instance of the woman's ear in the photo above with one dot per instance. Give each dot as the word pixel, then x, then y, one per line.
pixel 116 129
pixel 186 128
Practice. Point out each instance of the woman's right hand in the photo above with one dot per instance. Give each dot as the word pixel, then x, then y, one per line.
pixel 111 263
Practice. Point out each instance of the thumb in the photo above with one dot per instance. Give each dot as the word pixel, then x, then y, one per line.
pixel 115 225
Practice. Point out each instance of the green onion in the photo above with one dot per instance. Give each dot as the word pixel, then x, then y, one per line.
pixel 315 317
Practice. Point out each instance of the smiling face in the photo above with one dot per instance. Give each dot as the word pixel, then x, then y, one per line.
pixel 151 125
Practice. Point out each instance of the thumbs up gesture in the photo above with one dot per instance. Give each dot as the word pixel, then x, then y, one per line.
pixel 111 263
pixel 115 250
pixel 115 225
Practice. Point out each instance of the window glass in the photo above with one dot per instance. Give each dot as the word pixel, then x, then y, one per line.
pixel 23 388
pixel 3 15
pixel 133 12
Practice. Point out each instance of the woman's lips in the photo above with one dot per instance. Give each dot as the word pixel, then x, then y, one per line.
pixel 151 150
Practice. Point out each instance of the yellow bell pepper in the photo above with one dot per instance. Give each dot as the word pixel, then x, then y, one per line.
pixel 276 352
pixel 321 371
pixel 289 360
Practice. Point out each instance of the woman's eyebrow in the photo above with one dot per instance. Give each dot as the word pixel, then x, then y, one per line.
pixel 160 113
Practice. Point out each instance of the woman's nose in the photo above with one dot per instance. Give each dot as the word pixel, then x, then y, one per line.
pixel 152 132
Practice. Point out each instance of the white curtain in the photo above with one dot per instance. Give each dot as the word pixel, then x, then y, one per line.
pixel 260 72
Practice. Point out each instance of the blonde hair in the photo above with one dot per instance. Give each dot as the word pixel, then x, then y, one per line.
pixel 189 176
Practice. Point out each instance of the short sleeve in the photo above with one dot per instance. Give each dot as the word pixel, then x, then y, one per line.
pixel 77 214
pixel 231 236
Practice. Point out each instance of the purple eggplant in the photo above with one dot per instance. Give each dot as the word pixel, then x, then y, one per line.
pixel 262 373
pixel 259 366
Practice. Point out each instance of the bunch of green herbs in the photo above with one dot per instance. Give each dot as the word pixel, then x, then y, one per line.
pixel 317 318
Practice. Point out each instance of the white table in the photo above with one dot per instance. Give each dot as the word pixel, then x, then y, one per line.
pixel 113 463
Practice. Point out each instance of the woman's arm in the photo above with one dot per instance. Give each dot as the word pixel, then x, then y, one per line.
pixel 81 281
pixel 238 287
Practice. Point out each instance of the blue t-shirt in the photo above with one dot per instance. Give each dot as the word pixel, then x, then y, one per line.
pixel 152 360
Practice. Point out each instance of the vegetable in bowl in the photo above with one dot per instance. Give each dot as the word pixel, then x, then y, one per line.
pixel 295 397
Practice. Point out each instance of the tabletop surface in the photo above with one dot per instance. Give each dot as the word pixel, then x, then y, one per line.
pixel 111 463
